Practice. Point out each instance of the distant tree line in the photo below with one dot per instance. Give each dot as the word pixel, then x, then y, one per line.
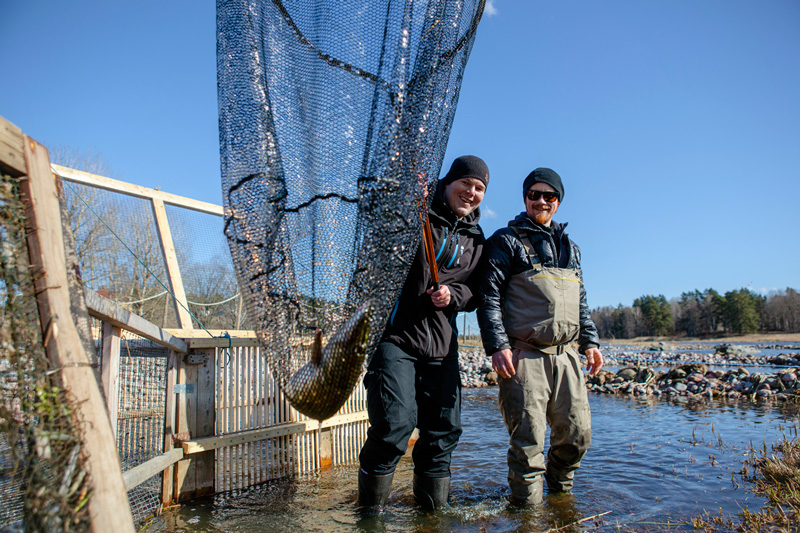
pixel 702 313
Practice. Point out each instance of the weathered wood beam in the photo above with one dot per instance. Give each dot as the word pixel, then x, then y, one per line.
pixel 109 375
pixel 223 342
pixel 339 420
pixel 242 437
pixel 113 313
pixel 195 415
pixel 188 334
pixel 171 262
pixel 108 507
pixel 138 191
pixel 168 479
pixel 141 473
pixel 12 152
pixel 212 443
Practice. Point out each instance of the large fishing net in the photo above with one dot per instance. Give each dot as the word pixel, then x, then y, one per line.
pixel 334 119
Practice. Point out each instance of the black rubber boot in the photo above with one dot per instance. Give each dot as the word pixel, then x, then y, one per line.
pixel 373 491
pixel 431 492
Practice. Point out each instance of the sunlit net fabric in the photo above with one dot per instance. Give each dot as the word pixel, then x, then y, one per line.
pixel 334 119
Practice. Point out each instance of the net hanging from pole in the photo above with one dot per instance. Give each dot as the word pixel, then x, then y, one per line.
pixel 334 117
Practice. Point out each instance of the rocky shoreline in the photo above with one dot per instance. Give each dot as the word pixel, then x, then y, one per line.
pixel 690 375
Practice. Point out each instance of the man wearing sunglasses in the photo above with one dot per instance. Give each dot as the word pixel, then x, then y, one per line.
pixel 533 312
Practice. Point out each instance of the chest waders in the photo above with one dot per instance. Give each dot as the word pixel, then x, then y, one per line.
pixel 541 309
pixel 542 317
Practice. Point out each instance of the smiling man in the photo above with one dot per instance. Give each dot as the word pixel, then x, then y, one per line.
pixel 533 309
pixel 413 378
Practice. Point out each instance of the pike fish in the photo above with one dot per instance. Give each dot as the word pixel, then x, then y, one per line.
pixel 321 387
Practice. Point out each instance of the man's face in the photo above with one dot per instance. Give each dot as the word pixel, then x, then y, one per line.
pixel 464 195
pixel 542 209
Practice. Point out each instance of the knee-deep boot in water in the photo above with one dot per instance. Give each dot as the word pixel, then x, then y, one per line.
pixel 373 491
pixel 431 492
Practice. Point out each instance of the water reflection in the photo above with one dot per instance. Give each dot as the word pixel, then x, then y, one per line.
pixel 653 465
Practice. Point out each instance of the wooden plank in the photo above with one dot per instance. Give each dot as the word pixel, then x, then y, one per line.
pixel 111 312
pixel 108 508
pixel 110 372
pixel 141 473
pixel 223 342
pixel 204 463
pixel 185 418
pixel 339 420
pixel 12 151
pixel 167 480
pixel 191 334
pixel 325 449
pixel 199 445
pixel 101 182
pixel 212 443
pixel 171 262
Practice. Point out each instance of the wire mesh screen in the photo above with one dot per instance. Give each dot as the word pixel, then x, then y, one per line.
pixel 119 252
pixel 206 268
pixel 140 416
pixel 334 119
pixel 120 255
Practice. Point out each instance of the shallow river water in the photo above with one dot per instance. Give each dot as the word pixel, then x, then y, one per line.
pixel 652 466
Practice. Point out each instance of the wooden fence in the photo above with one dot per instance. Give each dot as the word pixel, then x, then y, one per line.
pixel 223 410
pixel 226 425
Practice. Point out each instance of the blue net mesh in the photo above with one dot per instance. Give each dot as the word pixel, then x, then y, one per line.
pixel 334 119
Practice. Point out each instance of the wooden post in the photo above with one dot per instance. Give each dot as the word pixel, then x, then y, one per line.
pixel 195 418
pixel 110 372
pixel 171 262
pixel 325 449
pixel 108 507
pixel 167 480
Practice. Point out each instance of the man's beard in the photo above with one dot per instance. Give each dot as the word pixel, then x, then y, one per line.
pixel 543 218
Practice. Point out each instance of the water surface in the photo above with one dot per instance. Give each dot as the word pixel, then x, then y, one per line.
pixel 653 465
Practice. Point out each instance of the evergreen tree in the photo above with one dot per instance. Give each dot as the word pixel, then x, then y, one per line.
pixel 743 310
pixel 656 314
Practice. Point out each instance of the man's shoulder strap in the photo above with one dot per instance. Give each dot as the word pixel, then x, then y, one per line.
pixel 525 238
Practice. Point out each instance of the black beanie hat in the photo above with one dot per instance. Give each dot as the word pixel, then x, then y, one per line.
pixel 544 175
pixel 466 166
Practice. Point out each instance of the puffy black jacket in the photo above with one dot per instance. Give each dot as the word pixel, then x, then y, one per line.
pixel 416 325
pixel 504 256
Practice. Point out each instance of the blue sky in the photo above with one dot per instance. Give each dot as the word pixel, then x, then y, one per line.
pixel 675 125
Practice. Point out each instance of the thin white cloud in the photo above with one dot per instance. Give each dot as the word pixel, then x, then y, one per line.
pixel 489 8
pixel 488 213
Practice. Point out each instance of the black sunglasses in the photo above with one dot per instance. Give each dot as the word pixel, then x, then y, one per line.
pixel 548 196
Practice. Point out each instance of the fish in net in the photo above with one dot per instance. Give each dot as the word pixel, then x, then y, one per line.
pixel 334 117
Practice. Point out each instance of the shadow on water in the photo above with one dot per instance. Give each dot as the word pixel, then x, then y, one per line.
pixel 652 466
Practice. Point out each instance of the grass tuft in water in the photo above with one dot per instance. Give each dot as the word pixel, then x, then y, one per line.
pixel 774 475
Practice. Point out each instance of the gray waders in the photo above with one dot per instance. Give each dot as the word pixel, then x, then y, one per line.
pixel 541 318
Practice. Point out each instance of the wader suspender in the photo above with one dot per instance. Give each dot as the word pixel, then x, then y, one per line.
pixel 525 239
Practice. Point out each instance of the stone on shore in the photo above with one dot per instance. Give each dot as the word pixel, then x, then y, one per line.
pixel 686 378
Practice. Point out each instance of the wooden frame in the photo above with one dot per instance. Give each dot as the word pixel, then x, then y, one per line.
pixel 224 414
pixel 158 200
pixel 108 507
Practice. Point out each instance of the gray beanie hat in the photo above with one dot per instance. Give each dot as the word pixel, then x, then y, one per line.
pixel 544 175
pixel 466 166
